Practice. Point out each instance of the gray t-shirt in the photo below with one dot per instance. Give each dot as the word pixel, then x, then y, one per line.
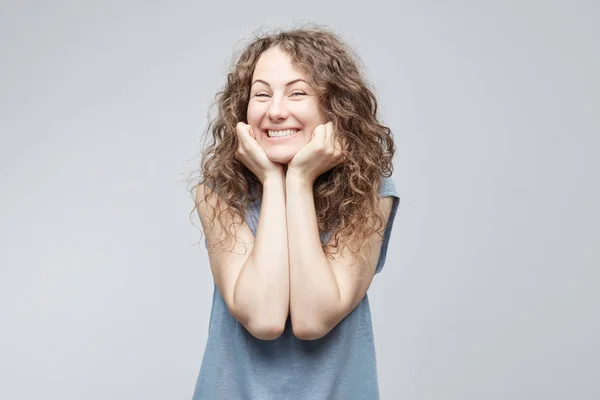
pixel 339 366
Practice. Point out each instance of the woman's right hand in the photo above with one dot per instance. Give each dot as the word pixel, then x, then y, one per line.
pixel 252 155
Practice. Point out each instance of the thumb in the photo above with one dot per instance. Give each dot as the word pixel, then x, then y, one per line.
pixel 243 131
pixel 315 131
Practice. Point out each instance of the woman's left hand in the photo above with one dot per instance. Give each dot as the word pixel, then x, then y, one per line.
pixel 322 153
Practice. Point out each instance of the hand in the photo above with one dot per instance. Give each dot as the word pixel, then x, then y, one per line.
pixel 322 153
pixel 252 155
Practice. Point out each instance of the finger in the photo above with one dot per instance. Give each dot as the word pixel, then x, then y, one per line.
pixel 329 130
pixel 251 137
pixel 333 140
pixel 243 133
pixel 321 136
pixel 314 132
pixel 331 136
pixel 241 126
pixel 248 143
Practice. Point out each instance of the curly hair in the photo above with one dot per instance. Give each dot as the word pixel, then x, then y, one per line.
pixel 346 197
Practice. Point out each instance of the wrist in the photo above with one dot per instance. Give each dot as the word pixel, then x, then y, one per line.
pixel 297 177
pixel 273 178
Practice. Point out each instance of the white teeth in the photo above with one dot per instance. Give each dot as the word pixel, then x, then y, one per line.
pixel 287 132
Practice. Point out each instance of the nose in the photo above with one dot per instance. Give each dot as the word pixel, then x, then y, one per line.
pixel 277 109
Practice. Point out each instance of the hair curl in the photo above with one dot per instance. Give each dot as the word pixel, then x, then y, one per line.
pixel 346 197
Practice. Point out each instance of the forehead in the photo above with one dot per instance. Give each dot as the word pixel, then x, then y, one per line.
pixel 275 66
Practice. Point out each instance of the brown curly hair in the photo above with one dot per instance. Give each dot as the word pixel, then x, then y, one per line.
pixel 346 197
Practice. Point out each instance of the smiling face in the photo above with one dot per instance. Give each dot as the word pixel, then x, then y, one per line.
pixel 283 109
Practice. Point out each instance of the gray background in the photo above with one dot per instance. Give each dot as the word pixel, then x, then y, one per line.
pixel 490 288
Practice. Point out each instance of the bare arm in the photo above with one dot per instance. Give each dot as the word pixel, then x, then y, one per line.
pixel 322 291
pixel 253 274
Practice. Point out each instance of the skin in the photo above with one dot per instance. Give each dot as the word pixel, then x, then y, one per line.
pixel 281 98
pixel 284 270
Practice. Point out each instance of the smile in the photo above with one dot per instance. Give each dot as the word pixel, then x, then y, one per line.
pixel 284 133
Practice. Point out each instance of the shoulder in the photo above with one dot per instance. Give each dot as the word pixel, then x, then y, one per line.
pixel 206 202
pixel 387 187
pixel 211 208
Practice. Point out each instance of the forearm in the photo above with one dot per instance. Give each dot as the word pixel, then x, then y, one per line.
pixel 314 291
pixel 261 294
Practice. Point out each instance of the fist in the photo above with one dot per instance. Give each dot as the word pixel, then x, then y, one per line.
pixel 322 153
pixel 252 155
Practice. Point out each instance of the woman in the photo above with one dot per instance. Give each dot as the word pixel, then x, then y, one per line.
pixel 297 207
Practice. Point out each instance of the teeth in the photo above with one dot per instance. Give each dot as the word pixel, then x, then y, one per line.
pixel 287 132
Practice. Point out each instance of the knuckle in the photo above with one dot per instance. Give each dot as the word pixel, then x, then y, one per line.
pixel 240 127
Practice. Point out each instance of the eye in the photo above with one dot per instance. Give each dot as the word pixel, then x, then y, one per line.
pixel 262 94
pixel 298 94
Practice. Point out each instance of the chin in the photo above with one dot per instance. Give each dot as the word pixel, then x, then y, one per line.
pixel 281 157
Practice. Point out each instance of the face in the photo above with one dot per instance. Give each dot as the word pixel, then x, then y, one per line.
pixel 283 109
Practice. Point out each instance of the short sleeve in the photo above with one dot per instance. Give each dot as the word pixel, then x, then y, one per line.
pixel 386 189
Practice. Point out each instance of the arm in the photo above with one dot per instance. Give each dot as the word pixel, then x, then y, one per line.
pixel 323 291
pixel 253 276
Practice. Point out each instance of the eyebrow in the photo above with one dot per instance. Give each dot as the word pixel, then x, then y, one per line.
pixel 287 84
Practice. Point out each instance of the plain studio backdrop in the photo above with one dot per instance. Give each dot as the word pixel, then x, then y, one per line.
pixel 490 290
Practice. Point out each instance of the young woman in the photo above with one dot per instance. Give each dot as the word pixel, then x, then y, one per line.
pixel 297 206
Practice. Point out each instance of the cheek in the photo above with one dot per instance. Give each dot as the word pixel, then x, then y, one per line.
pixel 251 115
pixel 254 113
pixel 311 113
pixel 254 116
